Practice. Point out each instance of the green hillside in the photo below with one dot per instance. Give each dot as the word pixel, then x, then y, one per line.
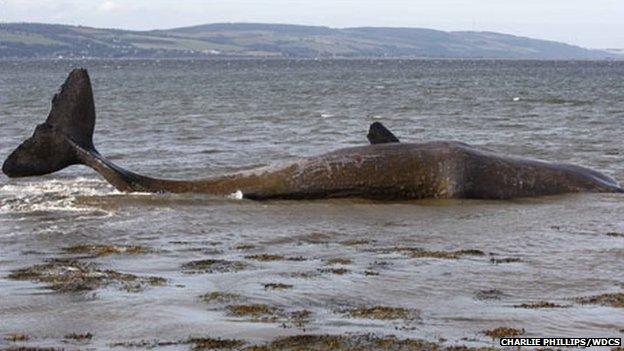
pixel 31 40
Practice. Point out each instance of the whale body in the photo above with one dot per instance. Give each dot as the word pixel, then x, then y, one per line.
pixel 387 169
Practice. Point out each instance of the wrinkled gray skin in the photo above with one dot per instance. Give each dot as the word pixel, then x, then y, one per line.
pixel 385 170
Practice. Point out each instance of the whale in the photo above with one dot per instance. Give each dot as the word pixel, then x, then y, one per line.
pixel 383 169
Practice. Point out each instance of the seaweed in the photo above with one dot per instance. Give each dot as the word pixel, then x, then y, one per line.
pixel 337 271
pixel 220 297
pixel 212 344
pixel 355 342
pixel 303 275
pixel 611 300
pixel 616 234
pixel 503 332
pixel 15 337
pixel 338 260
pixel 417 252
pixel 277 286
pixel 32 348
pixel 505 260
pixel 102 250
pixel 197 343
pixel 213 266
pixel 381 312
pixel 244 247
pixel 356 242
pixel 540 304
pixel 264 257
pixel 298 319
pixel 491 294
pixel 79 337
pixel 66 275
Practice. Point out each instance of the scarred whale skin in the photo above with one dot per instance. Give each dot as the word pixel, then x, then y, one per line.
pixel 385 170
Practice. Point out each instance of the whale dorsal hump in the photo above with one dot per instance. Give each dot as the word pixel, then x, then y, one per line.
pixel 378 134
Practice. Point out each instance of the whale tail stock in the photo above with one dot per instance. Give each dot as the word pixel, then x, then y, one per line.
pixel 66 138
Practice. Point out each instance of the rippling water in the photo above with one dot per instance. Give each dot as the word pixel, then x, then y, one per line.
pixel 192 119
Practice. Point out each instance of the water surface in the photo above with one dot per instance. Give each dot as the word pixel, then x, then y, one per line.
pixel 192 119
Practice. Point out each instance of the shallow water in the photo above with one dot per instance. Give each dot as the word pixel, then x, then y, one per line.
pixel 192 119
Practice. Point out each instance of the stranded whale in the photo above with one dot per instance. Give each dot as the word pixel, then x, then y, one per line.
pixel 385 170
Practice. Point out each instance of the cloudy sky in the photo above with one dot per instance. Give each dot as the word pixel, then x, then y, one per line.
pixel 589 23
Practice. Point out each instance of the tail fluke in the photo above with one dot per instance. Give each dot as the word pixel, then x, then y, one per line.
pixel 66 138
pixel 72 117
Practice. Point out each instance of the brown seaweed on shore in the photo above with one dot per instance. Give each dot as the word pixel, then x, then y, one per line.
pixel 270 314
pixel 32 348
pixel 244 247
pixel 79 336
pixel 309 342
pixel 213 266
pixel 418 252
pixel 337 271
pixel 302 275
pixel 258 312
pixel 102 250
pixel 540 304
pixel 491 294
pixel 264 257
pixel 277 286
pixel 298 319
pixel 503 332
pixel 381 312
pixel 214 344
pixel 356 242
pixel 611 300
pixel 616 234
pixel 197 343
pixel 338 260
pixel 15 337
pixel 368 342
pixel 505 260
pixel 220 297
pixel 67 275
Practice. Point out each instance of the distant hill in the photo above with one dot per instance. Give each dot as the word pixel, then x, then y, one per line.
pixel 32 40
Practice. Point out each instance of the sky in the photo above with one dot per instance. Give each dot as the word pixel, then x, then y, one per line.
pixel 588 23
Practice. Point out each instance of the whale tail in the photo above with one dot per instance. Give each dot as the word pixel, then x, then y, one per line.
pixel 72 117
pixel 66 138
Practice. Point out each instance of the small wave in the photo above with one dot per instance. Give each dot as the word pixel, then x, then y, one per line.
pixel 559 101
pixel 52 195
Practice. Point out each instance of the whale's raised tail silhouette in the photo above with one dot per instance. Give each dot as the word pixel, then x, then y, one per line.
pixel 66 138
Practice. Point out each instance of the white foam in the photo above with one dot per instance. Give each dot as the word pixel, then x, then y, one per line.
pixel 51 195
pixel 237 195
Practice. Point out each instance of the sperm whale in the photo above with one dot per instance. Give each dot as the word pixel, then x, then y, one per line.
pixel 385 169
